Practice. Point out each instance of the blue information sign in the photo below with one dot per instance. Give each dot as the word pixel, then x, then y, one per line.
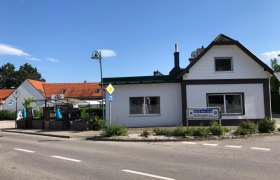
pixel 110 98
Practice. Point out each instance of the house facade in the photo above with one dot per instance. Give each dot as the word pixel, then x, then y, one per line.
pixel 225 74
pixel 4 94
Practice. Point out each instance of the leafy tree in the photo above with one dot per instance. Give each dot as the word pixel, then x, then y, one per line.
pixel 10 77
pixel 274 82
pixel 26 71
pixel 7 76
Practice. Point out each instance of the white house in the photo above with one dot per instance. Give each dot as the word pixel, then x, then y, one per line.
pixel 224 74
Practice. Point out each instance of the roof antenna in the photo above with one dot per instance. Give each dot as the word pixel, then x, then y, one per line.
pixel 176 47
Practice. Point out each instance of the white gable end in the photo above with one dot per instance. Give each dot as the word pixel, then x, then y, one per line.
pixel 243 66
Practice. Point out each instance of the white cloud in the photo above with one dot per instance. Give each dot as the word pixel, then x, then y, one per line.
pixel 270 55
pixel 33 59
pixel 107 53
pixel 12 51
pixel 52 59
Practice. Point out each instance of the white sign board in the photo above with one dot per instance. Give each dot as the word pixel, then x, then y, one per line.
pixel 209 113
pixel 57 96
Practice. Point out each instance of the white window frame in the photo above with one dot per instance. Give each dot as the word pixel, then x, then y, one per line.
pixel 144 106
pixel 224 99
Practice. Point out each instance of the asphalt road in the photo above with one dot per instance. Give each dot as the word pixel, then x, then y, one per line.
pixel 37 157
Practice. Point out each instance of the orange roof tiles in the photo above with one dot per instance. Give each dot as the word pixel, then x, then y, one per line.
pixel 73 90
pixel 4 93
pixel 38 85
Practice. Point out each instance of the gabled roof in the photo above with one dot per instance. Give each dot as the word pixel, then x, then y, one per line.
pixel 4 93
pixel 73 90
pixel 140 80
pixel 37 85
pixel 225 40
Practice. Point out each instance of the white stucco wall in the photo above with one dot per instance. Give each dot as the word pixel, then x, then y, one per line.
pixel 243 66
pixel 170 105
pixel 26 91
pixel 253 98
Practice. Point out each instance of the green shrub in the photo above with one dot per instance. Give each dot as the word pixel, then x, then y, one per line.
pixel 179 131
pixel 98 123
pixel 200 131
pixel 162 131
pixel 278 129
pixel 226 130
pixel 246 127
pixel 216 129
pixel 7 115
pixel 266 126
pixel 114 130
pixel 145 133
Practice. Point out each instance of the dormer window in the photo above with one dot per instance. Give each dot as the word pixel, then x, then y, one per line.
pixel 223 64
pixel 97 90
pixel 63 91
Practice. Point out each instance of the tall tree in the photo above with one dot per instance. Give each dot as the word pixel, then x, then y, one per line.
pixel 7 76
pixel 274 81
pixel 10 78
pixel 26 71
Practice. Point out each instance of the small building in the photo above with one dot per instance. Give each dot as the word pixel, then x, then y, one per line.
pixel 78 94
pixel 4 94
pixel 225 74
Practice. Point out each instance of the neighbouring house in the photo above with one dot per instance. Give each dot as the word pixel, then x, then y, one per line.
pixel 77 94
pixel 224 74
pixel 4 94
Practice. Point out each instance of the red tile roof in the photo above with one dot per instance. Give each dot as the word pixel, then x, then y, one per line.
pixel 4 93
pixel 73 90
pixel 38 85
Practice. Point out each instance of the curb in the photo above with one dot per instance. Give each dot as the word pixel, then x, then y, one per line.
pixel 40 134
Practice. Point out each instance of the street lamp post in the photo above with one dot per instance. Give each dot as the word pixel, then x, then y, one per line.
pixel 97 56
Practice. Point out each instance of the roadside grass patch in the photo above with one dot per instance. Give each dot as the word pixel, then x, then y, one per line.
pixel 145 133
pixel 114 130
pixel 246 127
pixel 162 131
pixel 200 131
pixel 266 125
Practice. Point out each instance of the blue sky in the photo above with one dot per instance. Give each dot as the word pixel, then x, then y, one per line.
pixel 58 36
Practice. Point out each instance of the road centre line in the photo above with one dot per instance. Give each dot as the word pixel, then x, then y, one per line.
pixel 65 158
pixel 186 142
pixel 262 149
pixel 145 174
pixel 24 150
pixel 233 146
pixel 207 144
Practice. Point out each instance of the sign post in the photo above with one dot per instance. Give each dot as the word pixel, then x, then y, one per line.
pixel 16 94
pixel 110 90
pixel 209 113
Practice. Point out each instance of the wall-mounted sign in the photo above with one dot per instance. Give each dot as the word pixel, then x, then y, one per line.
pixel 57 96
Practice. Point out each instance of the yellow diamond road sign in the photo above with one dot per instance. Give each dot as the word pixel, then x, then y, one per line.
pixel 110 89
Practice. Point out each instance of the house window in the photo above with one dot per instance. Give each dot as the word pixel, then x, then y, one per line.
pixel 223 64
pixel 144 105
pixel 229 103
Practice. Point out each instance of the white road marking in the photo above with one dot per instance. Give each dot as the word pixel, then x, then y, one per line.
pixel 186 142
pixel 145 174
pixel 206 144
pixel 24 150
pixel 65 158
pixel 262 149
pixel 233 146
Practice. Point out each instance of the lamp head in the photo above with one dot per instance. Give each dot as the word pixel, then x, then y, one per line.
pixel 96 55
